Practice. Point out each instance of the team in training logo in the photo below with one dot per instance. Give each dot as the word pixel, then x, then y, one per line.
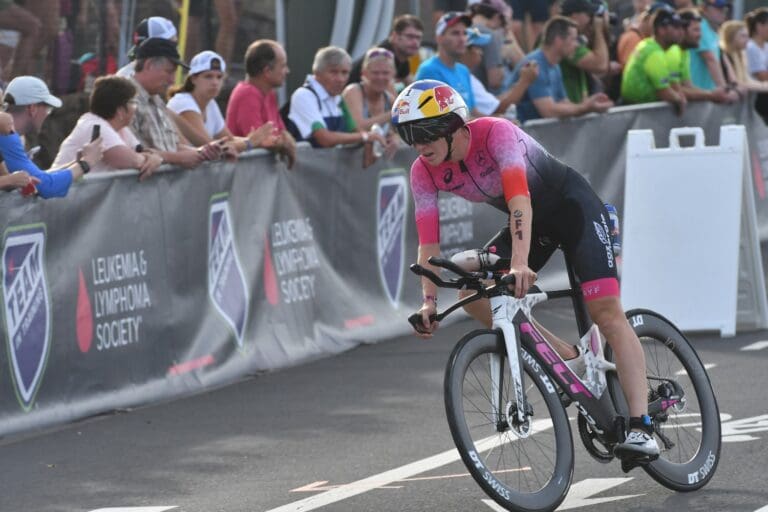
pixel 27 309
pixel 392 204
pixel 226 281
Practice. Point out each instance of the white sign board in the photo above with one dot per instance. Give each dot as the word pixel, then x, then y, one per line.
pixel 690 232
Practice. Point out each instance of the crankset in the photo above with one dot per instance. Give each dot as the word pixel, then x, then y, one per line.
pixel 594 446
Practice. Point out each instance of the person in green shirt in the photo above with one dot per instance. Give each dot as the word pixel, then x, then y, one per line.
pixel 647 76
pixel 589 58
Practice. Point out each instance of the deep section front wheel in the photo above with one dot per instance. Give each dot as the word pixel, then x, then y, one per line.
pixel 524 466
pixel 681 402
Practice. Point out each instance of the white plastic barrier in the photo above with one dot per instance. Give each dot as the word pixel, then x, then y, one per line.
pixel 691 250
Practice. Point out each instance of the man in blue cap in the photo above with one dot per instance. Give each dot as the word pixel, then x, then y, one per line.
pixel 705 60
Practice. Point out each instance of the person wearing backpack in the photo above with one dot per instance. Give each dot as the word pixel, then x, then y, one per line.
pixel 253 102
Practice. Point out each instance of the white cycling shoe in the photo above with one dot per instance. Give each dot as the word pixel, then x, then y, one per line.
pixel 638 445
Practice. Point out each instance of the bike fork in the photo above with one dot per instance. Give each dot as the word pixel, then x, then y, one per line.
pixel 501 320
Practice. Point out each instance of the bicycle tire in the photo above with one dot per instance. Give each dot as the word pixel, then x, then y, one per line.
pixel 691 463
pixel 543 481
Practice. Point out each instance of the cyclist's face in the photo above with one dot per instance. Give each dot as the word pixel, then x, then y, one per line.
pixel 432 152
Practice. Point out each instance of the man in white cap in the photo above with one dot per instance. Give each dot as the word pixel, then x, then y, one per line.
pixel 28 102
pixel 154 26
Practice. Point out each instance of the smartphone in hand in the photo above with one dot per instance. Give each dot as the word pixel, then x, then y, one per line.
pixel 95 132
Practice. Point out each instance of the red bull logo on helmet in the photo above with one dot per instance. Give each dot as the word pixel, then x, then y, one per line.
pixel 437 100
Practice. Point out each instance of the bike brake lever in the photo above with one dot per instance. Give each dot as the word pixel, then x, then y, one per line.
pixel 415 321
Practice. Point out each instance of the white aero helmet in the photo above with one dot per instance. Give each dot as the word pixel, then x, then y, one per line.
pixel 428 110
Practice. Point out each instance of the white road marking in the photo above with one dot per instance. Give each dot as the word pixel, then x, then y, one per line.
pixel 135 509
pixel 738 430
pixel 579 494
pixel 762 509
pixel 758 345
pixel 394 475
pixel 321 485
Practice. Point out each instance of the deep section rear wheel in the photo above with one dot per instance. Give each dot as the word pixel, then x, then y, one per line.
pixel 687 421
pixel 524 466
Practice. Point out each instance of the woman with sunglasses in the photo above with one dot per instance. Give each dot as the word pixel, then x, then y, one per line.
pixel 370 100
pixel 112 107
pixel 195 104
pixel 548 204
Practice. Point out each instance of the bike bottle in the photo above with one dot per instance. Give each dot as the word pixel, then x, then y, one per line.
pixel 615 233
pixel 474 260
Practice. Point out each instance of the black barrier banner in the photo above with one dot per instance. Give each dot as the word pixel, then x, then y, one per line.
pixel 126 293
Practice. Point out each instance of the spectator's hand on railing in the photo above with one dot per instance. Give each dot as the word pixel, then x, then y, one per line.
pixel 152 160
pixel 286 148
pixel 210 151
pixel 6 123
pixel 265 136
pixel 599 102
pixel 681 105
pixel 19 179
pixel 188 157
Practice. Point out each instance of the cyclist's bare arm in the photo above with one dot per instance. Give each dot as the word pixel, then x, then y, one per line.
pixel 428 288
pixel 521 215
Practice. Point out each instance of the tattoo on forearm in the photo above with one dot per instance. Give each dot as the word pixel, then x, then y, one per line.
pixel 518 215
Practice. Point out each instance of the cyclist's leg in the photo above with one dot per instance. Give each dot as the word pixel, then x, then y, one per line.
pixel 590 251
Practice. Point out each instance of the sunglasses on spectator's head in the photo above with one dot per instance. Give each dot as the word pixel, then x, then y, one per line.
pixel 380 52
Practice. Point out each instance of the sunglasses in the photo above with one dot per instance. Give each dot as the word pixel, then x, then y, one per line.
pixel 380 52
pixel 418 136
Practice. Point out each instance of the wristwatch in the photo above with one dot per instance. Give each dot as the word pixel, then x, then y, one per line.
pixel 85 166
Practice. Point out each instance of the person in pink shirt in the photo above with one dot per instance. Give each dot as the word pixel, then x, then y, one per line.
pixel 547 204
pixel 253 101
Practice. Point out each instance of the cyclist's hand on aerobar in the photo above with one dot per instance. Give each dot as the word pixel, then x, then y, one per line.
pixel 524 279
pixel 427 328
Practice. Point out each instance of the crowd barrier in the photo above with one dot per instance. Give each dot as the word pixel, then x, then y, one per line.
pixel 127 293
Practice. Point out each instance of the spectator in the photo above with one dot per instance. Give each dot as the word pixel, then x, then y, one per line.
pixel 404 42
pixel 441 7
pixel 253 102
pixel 195 103
pixel 29 102
pixel 451 35
pixel 733 43
pixel 112 106
pixel 528 18
pixel 546 95
pixel 155 26
pixel 486 103
pixel 646 77
pixel 488 20
pixel 679 59
pixel 590 58
pixel 370 100
pixel 706 72
pixel 638 28
pixel 156 62
pixel 16 17
pixel 317 109
pixel 757 47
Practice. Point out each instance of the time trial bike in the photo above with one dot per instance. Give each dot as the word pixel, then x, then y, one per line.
pixel 507 390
